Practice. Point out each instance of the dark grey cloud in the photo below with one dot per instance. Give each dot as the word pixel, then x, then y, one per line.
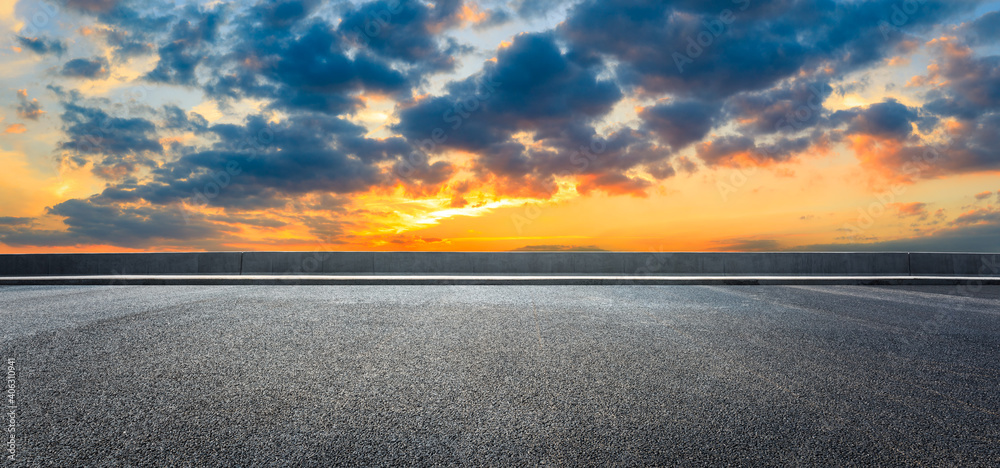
pixel 788 108
pixel 93 68
pixel 40 45
pixel 887 119
pixel 184 49
pixel 14 221
pixel 260 165
pixel 284 14
pixel 982 30
pixel 739 150
pixel 615 154
pixel 176 119
pixel 139 227
pixel 764 64
pixel 90 130
pixel 716 49
pixel 133 28
pixel 411 32
pixel 23 236
pixel 128 45
pixel 307 72
pixel 680 123
pixel 88 223
pixel 532 87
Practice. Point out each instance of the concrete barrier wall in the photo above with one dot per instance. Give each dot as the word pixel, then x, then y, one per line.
pixel 194 263
pixel 569 263
pixel 505 263
pixel 814 263
pixel 945 264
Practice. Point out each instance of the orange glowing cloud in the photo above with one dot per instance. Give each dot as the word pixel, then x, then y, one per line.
pixel 530 186
pixel 898 61
pixel 877 154
pixel 613 184
pixel 955 53
pixel 472 14
pixel 910 209
pixel 16 128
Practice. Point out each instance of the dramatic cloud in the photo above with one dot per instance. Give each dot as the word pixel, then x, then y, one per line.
pixel 307 72
pixel 115 146
pixel 971 148
pixel 127 227
pixel 532 87
pixel 404 124
pixel 251 166
pixel 718 48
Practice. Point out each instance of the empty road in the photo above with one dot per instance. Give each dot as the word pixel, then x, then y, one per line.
pixel 500 375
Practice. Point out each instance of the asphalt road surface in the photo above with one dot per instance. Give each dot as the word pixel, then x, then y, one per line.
pixel 502 375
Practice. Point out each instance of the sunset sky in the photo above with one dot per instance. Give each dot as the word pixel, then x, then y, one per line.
pixel 481 125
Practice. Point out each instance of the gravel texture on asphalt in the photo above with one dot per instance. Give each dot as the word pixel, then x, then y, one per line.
pixel 503 375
